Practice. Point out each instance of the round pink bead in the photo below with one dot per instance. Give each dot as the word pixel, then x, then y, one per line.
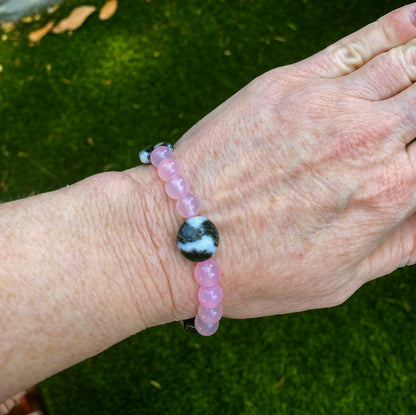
pixel 188 205
pixel 177 186
pixel 210 297
pixel 205 329
pixel 159 154
pixel 210 315
pixel 168 168
pixel 207 273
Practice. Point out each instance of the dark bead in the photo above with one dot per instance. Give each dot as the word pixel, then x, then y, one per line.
pixel 198 239
pixel 189 325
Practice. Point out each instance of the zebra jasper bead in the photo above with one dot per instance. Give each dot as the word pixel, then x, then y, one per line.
pixel 198 239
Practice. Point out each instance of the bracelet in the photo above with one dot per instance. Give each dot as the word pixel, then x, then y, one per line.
pixel 197 238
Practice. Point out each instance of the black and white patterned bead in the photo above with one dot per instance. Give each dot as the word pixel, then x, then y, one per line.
pixel 198 239
pixel 144 155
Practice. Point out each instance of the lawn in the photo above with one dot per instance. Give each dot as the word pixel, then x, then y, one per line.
pixel 79 104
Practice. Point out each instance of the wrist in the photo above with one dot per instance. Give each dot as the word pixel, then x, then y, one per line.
pixel 171 288
pixel 83 268
pixel 197 238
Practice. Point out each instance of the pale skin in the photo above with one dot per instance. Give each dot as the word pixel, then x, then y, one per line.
pixel 308 172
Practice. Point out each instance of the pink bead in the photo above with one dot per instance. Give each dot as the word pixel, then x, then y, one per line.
pixel 210 297
pixel 168 168
pixel 177 186
pixel 205 329
pixel 188 206
pixel 210 315
pixel 207 273
pixel 159 154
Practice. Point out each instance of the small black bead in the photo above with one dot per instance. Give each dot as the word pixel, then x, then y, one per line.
pixel 189 325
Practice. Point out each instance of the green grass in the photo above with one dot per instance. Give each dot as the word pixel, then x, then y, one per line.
pixel 76 105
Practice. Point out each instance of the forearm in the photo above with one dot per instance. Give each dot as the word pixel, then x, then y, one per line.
pixel 79 273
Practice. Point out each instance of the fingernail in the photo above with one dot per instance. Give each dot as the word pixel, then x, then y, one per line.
pixel 413 17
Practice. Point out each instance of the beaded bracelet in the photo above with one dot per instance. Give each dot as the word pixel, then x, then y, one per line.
pixel 197 238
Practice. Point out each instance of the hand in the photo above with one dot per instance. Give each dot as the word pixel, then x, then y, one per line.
pixel 309 175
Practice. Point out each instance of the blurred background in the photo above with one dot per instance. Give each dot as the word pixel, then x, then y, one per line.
pixel 13 10
pixel 86 100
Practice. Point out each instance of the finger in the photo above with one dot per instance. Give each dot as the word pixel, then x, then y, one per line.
pixel 355 50
pixel 400 112
pixel 386 75
pixel 398 250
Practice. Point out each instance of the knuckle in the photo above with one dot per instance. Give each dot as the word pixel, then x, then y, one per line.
pixel 350 56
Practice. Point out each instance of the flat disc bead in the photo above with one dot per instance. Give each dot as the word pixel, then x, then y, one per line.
pixel 205 329
pixel 207 273
pixel 168 168
pixel 197 239
pixel 177 187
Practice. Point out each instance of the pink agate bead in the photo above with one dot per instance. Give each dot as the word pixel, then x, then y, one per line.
pixel 207 273
pixel 177 186
pixel 205 329
pixel 210 315
pixel 159 154
pixel 188 205
pixel 210 297
pixel 168 168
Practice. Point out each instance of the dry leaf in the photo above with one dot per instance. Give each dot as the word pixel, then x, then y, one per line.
pixel 157 385
pixel 7 26
pixel 37 35
pixel 52 9
pixel 27 19
pixel 281 382
pixel 280 39
pixel 108 9
pixel 75 19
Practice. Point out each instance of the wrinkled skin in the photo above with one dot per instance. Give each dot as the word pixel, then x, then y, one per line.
pixel 309 176
pixel 309 173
